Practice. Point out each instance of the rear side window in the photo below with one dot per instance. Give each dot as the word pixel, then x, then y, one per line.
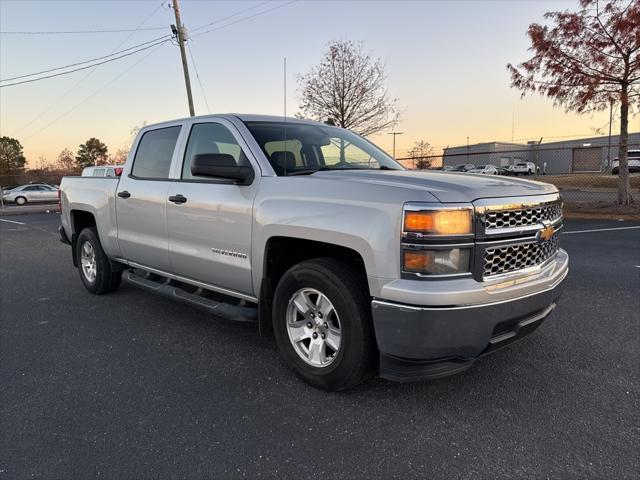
pixel 98 172
pixel 154 153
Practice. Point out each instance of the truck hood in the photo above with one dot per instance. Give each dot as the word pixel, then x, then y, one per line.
pixel 445 186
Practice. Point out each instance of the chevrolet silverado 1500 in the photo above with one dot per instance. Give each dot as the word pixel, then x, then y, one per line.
pixel 357 266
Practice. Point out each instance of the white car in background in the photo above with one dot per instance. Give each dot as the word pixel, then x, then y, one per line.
pixel 110 171
pixel 484 169
pixel 36 192
pixel 633 159
pixel 523 168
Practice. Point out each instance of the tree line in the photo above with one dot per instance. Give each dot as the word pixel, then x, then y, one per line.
pixel 13 163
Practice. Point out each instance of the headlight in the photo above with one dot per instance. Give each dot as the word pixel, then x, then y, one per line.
pixel 439 222
pixel 436 262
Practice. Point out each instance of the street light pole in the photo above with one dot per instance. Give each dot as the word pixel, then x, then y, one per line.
pixel 179 31
pixel 394 142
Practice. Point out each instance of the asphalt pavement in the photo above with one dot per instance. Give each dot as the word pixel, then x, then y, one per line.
pixel 133 385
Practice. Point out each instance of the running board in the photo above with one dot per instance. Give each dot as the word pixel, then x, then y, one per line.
pixel 169 289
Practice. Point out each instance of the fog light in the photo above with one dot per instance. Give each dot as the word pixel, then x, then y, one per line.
pixel 436 262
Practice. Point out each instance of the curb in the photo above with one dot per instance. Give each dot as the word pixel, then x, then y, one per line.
pixel 28 210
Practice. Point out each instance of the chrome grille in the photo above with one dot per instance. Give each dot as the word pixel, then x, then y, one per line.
pixel 516 257
pixel 522 217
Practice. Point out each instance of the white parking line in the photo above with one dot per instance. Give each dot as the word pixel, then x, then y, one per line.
pixel 11 221
pixel 603 230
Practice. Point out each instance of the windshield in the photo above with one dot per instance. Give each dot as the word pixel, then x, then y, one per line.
pixel 298 149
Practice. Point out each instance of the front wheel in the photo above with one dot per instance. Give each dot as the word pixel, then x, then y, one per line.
pixel 322 324
pixel 21 200
pixel 95 268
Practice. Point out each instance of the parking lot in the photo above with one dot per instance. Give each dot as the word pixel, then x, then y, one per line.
pixel 132 385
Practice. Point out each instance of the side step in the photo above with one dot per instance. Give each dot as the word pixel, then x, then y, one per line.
pixel 174 290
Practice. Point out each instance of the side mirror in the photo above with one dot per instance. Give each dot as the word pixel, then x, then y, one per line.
pixel 220 165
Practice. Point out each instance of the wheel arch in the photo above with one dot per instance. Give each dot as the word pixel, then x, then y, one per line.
pixel 80 219
pixel 283 252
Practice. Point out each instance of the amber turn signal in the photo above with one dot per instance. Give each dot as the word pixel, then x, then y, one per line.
pixel 443 222
pixel 417 261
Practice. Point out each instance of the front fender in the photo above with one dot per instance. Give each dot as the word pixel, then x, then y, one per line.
pixel 359 217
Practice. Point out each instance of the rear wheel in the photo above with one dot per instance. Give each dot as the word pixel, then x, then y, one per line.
pixel 322 324
pixel 614 171
pixel 21 200
pixel 94 266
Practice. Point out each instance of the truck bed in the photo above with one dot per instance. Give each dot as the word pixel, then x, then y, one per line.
pixel 97 196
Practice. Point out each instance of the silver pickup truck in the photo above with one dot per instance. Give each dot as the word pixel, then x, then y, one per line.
pixel 357 266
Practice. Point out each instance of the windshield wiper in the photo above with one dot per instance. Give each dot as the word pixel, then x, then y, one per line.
pixel 310 171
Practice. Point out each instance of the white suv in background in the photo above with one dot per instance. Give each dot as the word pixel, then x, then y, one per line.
pixel 523 168
pixel 633 159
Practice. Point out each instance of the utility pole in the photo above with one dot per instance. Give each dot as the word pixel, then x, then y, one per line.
pixel 394 142
pixel 609 146
pixel 179 32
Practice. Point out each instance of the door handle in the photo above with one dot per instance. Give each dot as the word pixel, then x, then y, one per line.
pixel 124 194
pixel 178 199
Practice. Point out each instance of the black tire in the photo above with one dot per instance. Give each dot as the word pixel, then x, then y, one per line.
pixel 106 279
pixel 21 200
pixel 356 359
pixel 614 171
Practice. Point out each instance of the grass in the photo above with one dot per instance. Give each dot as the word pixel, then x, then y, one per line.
pixel 587 180
pixel 602 210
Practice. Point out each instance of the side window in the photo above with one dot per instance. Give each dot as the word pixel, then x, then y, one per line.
pixel 153 156
pixel 210 138
pixel 111 172
pixel 98 172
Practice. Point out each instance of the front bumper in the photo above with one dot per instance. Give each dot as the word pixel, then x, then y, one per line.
pixel 421 342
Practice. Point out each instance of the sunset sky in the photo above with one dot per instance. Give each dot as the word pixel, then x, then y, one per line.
pixel 445 63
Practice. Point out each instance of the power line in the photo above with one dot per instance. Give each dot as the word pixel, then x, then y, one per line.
pixel 195 68
pixel 67 32
pixel 231 16
pixel 144 57
pixel 85 67
pixel 245 18
pixel 89 73
pixel 83 62
pixel 113 80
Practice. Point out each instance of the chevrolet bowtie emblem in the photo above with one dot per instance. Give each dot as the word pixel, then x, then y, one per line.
pixel 546 233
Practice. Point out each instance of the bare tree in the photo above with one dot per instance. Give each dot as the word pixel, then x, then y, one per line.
pixel 120 156
pixel 66 161
pixel 587 60
pixel 43 164
pixel 422 155
pixel 348 88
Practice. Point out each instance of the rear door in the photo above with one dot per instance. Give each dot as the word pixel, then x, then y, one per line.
pixel 210 219
pixel 141 199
